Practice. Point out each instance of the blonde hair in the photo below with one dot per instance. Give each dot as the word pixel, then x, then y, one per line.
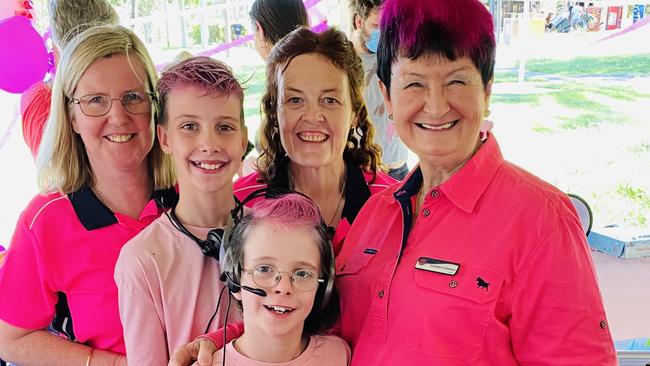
pixel 68 18
pixel 62 162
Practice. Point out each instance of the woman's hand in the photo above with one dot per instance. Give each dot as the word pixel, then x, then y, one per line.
pixel 199 350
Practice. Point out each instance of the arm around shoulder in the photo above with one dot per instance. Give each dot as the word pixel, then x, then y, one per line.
pixel 18 345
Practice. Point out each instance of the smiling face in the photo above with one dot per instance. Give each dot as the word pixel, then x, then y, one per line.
pixel 438 106
pixel 205 136
pixel 117 140
pixel 283 311
pixel 314 111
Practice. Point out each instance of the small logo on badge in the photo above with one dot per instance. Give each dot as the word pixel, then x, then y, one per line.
pixel 480 283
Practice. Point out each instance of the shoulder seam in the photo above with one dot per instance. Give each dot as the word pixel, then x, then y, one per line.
pixel 254 187
pixel 31 224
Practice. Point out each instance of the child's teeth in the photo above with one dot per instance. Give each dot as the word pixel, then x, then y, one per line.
pixel 280 309
pixel 207 166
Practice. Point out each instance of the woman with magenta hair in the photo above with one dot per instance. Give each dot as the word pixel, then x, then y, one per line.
pixel 470 260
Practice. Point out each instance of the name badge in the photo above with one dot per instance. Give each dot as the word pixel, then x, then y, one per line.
pixel 437 266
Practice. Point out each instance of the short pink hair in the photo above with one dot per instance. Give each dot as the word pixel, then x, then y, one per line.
pixel 447 28
pixel 291 210
pixel 212 76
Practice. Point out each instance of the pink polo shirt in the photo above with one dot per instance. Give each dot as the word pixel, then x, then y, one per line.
pixel 359 186
pixel 58 271
pixel 494 271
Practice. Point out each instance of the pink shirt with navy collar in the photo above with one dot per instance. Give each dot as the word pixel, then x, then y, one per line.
pixel 494 271
pixel 58 271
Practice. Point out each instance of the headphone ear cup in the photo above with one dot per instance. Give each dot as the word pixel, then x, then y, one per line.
pixel 225 239
pixel 230 283
pixel 213 244
pixel 329 285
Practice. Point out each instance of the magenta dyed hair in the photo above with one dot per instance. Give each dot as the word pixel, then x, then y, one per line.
pixel 289 210
pixel 214 77
pixel 445 28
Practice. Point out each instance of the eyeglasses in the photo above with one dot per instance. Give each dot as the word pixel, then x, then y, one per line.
pixel 266 276
pixel 98 105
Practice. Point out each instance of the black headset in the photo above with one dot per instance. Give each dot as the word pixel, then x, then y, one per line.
pixel 217 240
pixel 324 291
pixel 212 244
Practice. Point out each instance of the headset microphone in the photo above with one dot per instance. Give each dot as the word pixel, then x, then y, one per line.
pixel 232 285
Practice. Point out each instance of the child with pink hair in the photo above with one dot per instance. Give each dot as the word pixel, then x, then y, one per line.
pixel 279 265
pixel 168 275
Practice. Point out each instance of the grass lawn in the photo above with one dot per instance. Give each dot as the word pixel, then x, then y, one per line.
pixel 582 125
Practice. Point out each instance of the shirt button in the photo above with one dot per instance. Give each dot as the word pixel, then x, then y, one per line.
pixel 380 293
pixel 453 284
pixel 342 267
pixel 434 193
pixel 603 324
pixel 426 212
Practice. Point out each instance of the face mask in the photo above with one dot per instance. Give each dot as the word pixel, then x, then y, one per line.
pixel 372 43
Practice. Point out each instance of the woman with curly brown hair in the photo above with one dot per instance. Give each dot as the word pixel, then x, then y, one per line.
pixel 315 136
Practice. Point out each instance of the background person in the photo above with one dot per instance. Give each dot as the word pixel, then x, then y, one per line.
pixel 67 19
pixel 315 134
pixel 274 19
pixel 168 288
pixel 365 38
pixel 99 166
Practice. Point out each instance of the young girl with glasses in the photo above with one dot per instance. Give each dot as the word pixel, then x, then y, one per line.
pixel 280 255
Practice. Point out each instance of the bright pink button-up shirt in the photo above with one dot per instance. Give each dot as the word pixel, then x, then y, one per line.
pixel 524 290
pixel 58 270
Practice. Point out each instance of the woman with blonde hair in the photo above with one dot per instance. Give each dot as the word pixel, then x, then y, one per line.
pixel 67 19
pixel 99 167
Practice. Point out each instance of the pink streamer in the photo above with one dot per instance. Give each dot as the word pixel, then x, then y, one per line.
pixel 635 26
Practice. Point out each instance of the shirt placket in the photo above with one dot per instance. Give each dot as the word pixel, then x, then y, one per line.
pixel 381 291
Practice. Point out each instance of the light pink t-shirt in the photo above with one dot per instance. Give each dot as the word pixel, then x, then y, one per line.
pixel 168 291
pixel 321 351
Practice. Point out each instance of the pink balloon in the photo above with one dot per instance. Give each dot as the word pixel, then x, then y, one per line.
pixel 24 56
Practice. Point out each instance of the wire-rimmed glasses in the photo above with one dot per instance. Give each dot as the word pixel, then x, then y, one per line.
pixel 97 105
pixel 266 276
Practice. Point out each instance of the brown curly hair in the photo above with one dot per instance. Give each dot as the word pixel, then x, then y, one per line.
pixel 334 45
